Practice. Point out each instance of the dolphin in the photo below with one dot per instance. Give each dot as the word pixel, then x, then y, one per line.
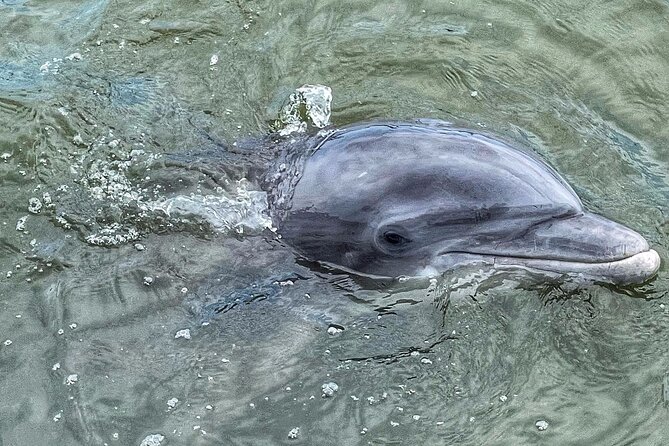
pixel 392 199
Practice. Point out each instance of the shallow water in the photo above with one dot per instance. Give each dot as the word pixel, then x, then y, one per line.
pixel 127 250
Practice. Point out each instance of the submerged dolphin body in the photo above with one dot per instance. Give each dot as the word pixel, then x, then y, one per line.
pixel 419 199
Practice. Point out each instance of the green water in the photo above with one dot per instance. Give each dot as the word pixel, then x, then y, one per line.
pixel 92 93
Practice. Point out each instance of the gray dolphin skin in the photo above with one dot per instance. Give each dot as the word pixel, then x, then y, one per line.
pixel 419 199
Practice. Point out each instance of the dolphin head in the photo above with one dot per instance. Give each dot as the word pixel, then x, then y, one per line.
pixel 391 199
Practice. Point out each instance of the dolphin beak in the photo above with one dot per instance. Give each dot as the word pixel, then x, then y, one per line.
pixel 586 238
pixel 596 247
pixel 584 245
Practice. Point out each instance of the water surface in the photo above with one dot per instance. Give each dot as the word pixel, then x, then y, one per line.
pixel 118 251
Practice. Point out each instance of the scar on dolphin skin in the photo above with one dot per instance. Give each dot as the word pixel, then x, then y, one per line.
pixel 420 198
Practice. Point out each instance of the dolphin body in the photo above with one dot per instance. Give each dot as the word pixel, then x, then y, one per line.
pixel 421 198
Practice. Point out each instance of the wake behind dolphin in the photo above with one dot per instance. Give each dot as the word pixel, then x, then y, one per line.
pixel 419 199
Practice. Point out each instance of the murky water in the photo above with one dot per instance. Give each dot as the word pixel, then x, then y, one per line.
pixel 110 248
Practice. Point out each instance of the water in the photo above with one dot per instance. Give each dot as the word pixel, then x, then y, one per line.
pixel 97 98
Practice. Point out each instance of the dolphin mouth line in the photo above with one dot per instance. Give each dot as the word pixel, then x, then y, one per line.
pixel 636 268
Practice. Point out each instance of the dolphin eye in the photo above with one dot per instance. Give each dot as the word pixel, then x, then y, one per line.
pixel 395 239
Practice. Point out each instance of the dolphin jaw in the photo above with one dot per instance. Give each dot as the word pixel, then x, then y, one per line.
pixel 635 269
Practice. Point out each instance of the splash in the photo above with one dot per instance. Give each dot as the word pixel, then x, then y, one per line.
pixel 245 213
pixel 127 195
pixel 309 104
pixel 122 196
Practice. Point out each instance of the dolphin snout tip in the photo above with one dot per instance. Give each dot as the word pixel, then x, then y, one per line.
pixel 653 262
pixel 637 268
